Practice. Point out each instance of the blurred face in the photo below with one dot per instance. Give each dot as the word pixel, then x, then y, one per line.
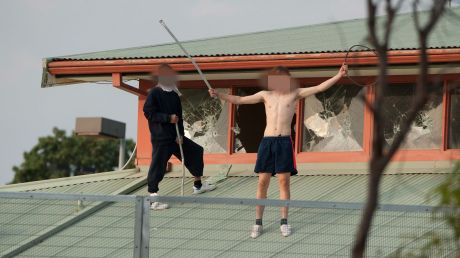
pixel 281 83
pixel 167 77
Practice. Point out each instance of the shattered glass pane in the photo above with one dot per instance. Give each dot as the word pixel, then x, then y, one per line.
pixel 249 124
pixel 454 121
pixel 426 129
pixel 333 120
pixel 205 119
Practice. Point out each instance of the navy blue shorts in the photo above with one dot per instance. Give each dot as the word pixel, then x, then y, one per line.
pixel 276 155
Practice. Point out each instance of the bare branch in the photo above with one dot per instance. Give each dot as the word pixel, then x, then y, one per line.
pixel 415 13
pixel 380 158
pixel 371 12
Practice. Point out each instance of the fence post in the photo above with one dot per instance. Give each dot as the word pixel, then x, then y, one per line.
pixel 138 217
pixel 145 246
pixel 142 227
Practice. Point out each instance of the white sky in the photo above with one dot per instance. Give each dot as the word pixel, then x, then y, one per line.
pixel 32 29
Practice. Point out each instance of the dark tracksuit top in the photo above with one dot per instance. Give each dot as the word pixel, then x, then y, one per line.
pixel 158 108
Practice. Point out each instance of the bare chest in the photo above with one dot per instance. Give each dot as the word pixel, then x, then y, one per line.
pixel 280 104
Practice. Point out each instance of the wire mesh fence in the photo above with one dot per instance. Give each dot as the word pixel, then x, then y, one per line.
pixel 220 227
pixel 62 225
pixel 72 225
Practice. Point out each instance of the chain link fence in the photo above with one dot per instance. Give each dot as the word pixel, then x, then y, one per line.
pixel 74 225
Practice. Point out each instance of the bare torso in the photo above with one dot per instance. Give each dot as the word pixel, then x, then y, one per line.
pixel 279 109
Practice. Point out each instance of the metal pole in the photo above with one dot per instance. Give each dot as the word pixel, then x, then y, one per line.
pixel 182 159
pixel 145 245
pixel 121 154
pixel 138 217
pixel 187 54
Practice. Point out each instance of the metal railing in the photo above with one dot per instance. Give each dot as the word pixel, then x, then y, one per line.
pixel 81 225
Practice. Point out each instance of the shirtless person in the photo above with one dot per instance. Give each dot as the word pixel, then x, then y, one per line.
pixel 276 154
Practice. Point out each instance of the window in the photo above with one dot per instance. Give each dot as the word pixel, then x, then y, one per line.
pixel 454 119
pixel 425 132
pixel 205 119
pixel 249 123
pixel 333 120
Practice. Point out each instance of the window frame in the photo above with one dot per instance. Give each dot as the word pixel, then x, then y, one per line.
pixel 443 153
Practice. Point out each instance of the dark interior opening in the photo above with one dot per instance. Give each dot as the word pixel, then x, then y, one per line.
pixel 250 122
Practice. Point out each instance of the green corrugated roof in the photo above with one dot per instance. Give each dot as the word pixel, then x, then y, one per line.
pixel 21 219
pixel 191 229
pixel 100 183
pixel 328 37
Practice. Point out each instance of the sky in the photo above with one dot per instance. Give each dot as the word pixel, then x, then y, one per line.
pixel 34 29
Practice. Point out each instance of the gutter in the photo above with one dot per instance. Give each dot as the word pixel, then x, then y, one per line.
pixel 55 71
pixel 244 61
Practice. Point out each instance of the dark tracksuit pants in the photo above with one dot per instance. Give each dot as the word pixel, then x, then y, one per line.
pixel 161 153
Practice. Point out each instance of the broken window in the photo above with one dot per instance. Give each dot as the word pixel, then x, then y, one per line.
pixel 333 120
pixel 205 119
pixel 454 120
pixel 249 123
pixel 425 132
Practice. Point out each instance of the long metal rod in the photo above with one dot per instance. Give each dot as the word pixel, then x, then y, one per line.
pixel 218 200
pixel 187 54
pixel 182 159
pixel 66 196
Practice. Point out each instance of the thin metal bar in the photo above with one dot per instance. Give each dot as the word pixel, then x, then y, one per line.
pixel 138 216
pixel 66 196
pixel 181 149
pixel 187 54
pixel 289 203
pixel 214 200
pixel 145 230
pixel 231 124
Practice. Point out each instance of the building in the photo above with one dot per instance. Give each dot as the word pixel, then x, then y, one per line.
pixel 330 127
pixel 332 140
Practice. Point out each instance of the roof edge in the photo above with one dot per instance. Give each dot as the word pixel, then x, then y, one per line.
pixel 63 181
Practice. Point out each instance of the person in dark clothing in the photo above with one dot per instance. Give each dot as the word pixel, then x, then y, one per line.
pixel 163 110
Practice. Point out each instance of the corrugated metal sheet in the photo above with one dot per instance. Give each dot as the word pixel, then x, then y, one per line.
pixel 101 183
pixel 21 219
pixel 329 37
pixel 408 189
pixel 209 230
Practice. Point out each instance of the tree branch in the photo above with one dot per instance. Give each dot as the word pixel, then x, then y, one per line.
pixel 380 158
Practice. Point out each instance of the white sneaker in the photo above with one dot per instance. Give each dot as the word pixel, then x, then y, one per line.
pixel 158 205
pixel 285 230
pixel 256 231
pixel 205 187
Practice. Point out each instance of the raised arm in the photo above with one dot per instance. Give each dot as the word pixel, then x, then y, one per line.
pixel 305 92
pixel 238 100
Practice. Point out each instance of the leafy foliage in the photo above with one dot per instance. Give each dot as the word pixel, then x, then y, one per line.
pixel 60 155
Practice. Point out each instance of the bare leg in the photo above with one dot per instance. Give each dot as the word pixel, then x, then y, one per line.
pixel 285 191
pixel 262 187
